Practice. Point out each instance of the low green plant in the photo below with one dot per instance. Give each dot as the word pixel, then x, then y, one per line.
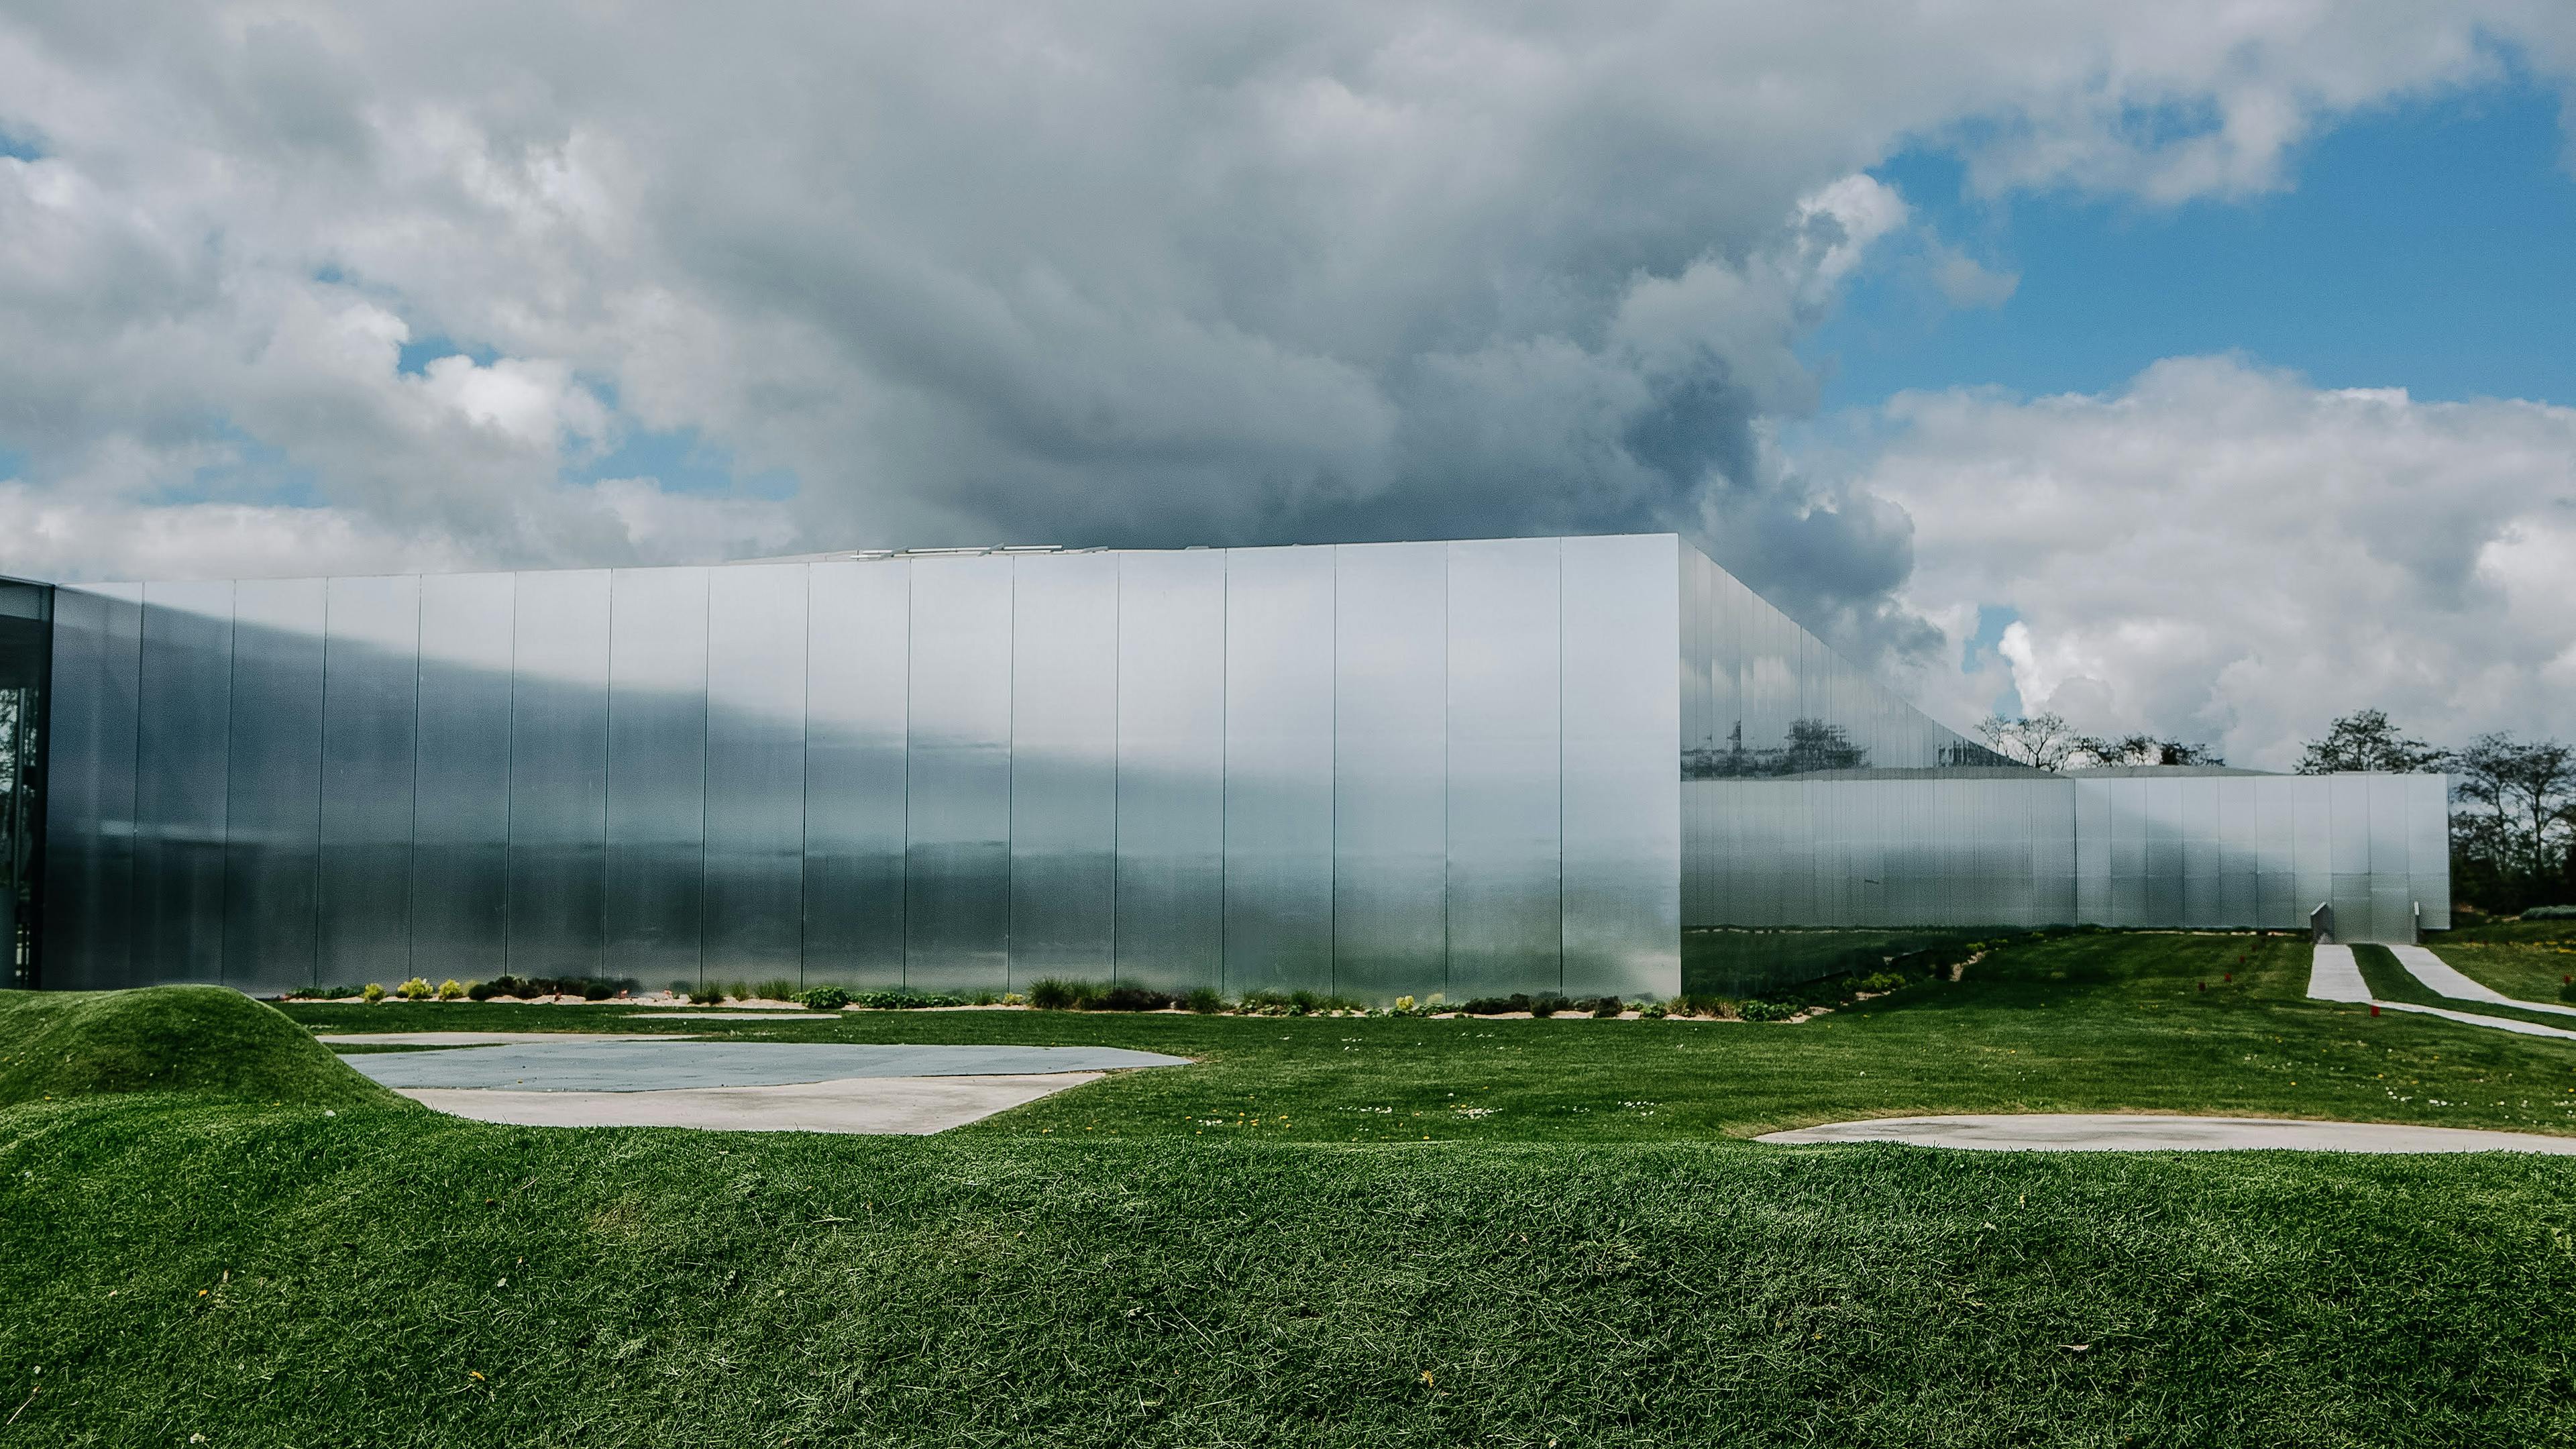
pixel 822 998
pixel 1758 1010
pixel 1654 1011
pixel 708 993
pixel 371 993
pixel 1052 994
pixel 1205 1001
pixel 1608 1006
pixel 1879 981
pixel 417 989
pixel 777 989
pixel 451 990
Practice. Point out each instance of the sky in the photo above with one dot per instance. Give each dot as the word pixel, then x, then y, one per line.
pixel 2199 368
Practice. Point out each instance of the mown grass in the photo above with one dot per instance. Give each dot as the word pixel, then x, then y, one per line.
pixel 2532 971
pixel 2086 1023
pixel 2391 981
pixel 1595 1261
pixel 270 1276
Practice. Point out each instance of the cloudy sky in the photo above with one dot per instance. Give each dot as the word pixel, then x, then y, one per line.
pixel 2203 366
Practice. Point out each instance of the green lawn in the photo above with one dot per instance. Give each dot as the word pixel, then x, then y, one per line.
pixel 2533 971
pixel 2092 1022
pixel 1595 1260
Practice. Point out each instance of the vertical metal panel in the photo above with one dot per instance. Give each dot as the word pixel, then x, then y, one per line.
pixel 1504 748
pixel 1622 827
pixel 180 781
pixel 370 720
pixel 2239 852
pixel 1390 840
pixel 273 782
pixel 653 900
pixel 856 705
pixel 756 770
pixel 2391 884
pixel 2312 828
pixel 89 796
pixel 559 774
pixel 2196 800
pixel 1279 769
pixel 2276 883
pixel 1064 767
pixel 460 838
pixel 2348 813
pixel 1171 768
pixel 2428 849
pixel 958 857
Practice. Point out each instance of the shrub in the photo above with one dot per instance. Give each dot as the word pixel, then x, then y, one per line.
pixel 1051 994
pixel 1205 1001
pixel 780 989
pixel 1879 981
pixel 1766 1010
pixel 416 989
pixel 1495 1005
pixel 497 986
pixel 1653 1011
pixel 1547 1003
pixel 1128 996
pixel 372 993
pixel 1608 1006
pixel 901 1000
pixel 1013 998
pixel 711 993
pixel 822 998
pixel 451 990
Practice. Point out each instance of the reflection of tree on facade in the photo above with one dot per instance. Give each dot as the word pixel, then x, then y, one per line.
pixel 1811 745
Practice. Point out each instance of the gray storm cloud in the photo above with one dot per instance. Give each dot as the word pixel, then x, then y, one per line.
pixel 1119 273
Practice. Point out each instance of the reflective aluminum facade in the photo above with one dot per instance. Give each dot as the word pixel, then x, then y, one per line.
pixel 2166 848
pixel 1374 769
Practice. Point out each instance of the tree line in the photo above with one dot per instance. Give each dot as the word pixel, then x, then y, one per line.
pixel 2513 800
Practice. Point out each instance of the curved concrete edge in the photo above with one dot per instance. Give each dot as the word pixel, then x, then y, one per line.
pixel 2124 1132
pixel 901 1106
pixel 483 1038
pixel 2450 981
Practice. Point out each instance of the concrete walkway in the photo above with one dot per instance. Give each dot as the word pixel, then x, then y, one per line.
pixel 2449 981
pixel 910 1106
pixel 604 1064
pixel 479 1038
pixel 2333 975
pixel 2120 1132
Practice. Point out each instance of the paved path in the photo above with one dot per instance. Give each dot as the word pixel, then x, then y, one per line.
pixel 2334 976
pixel 479 1038
pixel 2449 981
pixel 2120 1132
pixel 567 1063
pixel 900 1105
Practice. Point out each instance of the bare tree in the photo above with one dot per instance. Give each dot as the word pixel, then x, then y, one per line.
pixel 2143 749
pixel 2368 742
pixel 2045 741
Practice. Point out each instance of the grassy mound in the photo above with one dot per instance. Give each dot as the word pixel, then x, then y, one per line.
pixel 201 1040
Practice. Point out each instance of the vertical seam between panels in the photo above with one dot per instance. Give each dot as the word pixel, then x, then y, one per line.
pixel 411 835
pixel 804 773
pixel 1011 779
pixel 1448 794
pixel 1117 750
pixel 1560 764
pixel 706 750
pixel 1333 785
pixel 1224 746
pixel 903 846
pixel 510 786
pixel 321 776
